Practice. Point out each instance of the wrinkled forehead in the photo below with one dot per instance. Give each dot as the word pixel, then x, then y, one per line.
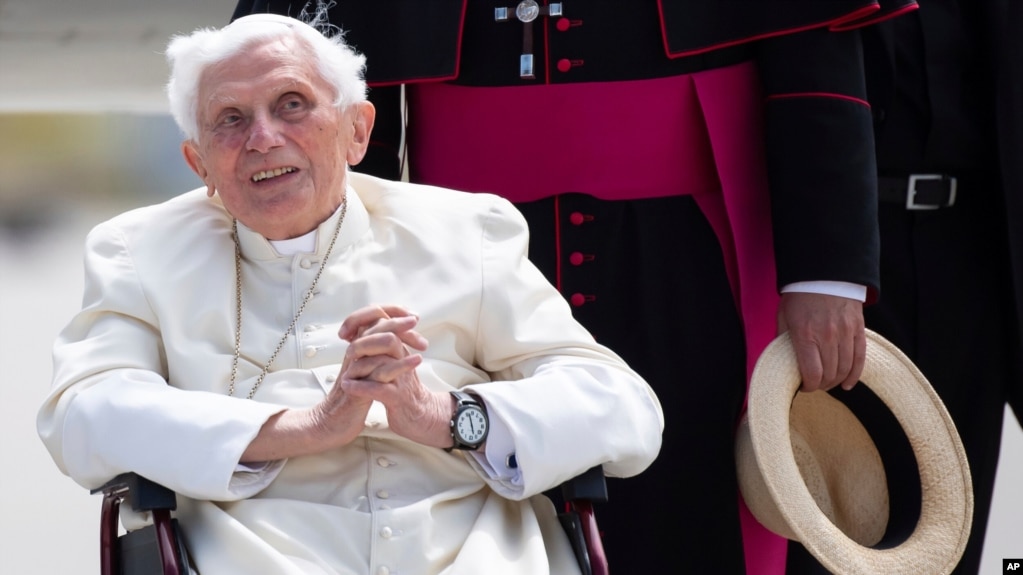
pixel 278 62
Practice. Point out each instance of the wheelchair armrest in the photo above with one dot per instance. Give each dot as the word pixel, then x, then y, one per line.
pixel 580 522
pixel 590 486
pixel 141 493
pixel 158 547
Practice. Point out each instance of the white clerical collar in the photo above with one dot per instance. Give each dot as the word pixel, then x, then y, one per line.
pixel 301 245
pixel 255 247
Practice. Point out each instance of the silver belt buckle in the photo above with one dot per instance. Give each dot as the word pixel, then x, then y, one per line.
pixel 911 203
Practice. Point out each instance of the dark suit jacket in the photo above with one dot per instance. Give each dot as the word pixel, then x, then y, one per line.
pixel 1001 19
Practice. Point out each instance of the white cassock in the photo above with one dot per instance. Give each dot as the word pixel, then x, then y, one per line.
pixel 141 377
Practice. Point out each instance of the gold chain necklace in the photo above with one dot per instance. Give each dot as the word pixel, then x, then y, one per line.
pixel 298 314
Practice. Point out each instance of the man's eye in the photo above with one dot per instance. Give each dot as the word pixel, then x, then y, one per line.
pixel 292 104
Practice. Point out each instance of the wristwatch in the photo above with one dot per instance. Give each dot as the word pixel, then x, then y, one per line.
pixel 469 424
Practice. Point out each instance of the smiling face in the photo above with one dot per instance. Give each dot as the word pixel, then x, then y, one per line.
pixel 271 141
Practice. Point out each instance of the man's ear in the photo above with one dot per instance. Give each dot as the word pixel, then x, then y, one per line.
pixel 194 160
pixel 364 114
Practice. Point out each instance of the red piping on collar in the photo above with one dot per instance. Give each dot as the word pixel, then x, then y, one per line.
pixel 819 95
pixel 851 17
pixel 880 18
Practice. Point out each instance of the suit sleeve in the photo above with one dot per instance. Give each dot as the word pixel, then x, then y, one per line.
pixel 820 156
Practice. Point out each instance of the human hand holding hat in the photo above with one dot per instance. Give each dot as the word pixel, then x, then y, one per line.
pixel 809 471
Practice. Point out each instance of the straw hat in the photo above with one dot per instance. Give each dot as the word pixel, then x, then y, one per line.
pixel 809 471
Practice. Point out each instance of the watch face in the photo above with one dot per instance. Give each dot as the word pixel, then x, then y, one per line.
pixel 471 426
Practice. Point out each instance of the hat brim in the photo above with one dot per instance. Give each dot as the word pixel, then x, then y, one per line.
pixel 940 536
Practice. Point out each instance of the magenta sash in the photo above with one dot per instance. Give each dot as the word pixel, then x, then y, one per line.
pixel 732 104
pixel 611 140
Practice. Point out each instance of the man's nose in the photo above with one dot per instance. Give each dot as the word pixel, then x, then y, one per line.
pixel 264 134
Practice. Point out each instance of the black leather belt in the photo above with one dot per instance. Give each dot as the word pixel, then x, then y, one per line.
pixel 918 191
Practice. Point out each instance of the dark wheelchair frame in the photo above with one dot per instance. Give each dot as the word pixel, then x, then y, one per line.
pixel 160 548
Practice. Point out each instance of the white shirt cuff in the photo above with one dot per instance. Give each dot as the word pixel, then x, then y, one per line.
pixel 499 460
pixel 251 478
pixel 841 289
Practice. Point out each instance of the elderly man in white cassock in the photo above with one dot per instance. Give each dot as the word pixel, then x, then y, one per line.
pixel 336 373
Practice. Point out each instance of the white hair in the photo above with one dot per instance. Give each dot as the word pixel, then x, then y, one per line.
pixel 190 55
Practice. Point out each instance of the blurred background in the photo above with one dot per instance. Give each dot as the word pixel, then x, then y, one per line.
pixel 84 134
